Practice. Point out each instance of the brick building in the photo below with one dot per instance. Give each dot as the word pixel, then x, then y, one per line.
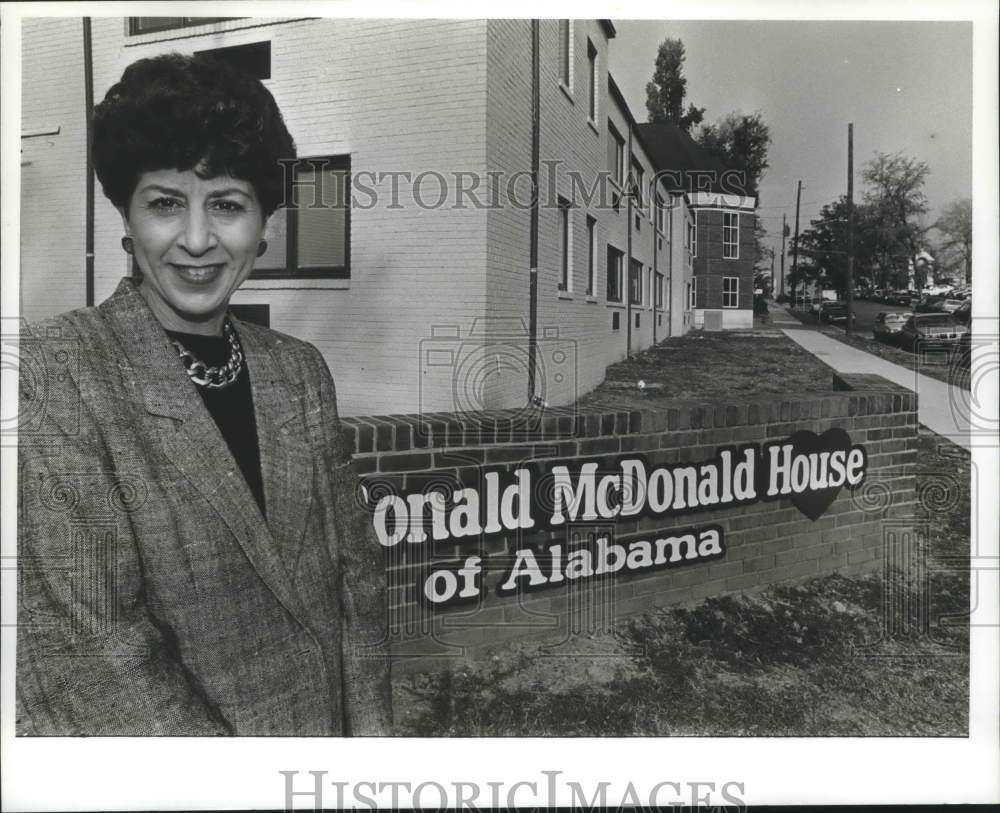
pixel 414 279
pixel 723 233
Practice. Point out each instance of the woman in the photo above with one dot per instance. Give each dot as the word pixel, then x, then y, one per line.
pixel 192 558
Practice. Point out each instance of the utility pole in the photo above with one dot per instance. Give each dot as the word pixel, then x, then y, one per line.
pixel 784 234
pixel 850 226
pixel 795 245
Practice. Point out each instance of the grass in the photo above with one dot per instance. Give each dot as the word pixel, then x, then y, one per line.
pixel 833 656
pixel 705 365
pixel 937 364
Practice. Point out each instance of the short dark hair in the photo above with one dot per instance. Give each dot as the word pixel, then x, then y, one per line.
pixel 190 112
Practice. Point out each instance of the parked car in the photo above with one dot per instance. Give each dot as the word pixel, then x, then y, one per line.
pixel 951 305
pixel 835 312
pixel 929 331
pixel 929 303
pixel 903 298
pixel 963 313
pixel 888 324
pixel 963 351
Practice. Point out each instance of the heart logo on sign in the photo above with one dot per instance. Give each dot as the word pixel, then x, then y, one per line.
pixel 813 503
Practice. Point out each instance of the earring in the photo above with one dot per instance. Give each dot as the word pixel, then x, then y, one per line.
pixel 262 248
pixel 127 245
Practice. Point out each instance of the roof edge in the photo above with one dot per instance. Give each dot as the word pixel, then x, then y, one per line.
pixel 618 96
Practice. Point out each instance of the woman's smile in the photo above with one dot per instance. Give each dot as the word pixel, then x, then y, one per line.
pixel 198 274
pixel 195 240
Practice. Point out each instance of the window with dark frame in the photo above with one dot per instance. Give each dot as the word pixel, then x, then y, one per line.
pixel 635 282
pixel 150 25
pixel 614 272
pixel 731 235
pixel 591 254
pixel 310 238
pixel 565 228
pixel 565 53
pixel 594 83
pixel 692 292
pixel 616 155
pixel 637 182
pixel 659 290
pixel 252 58
pixel 730 292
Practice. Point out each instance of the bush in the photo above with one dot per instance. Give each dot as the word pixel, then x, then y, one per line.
pixel 782 299
pixel 759 305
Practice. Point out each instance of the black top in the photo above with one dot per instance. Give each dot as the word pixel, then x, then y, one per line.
pixel 230 407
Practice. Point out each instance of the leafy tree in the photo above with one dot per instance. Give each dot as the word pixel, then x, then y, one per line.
pixel 823 246
pixel 740 141
pixel 896 197
pixel 665 94
pixel 955 227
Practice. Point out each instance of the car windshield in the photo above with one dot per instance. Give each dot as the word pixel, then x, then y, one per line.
pixel 933 320
pixel 897 317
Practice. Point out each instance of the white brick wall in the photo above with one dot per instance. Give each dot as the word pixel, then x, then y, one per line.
pixel 395 95
pixel 53 167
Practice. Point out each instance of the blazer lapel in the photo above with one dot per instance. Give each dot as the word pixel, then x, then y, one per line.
pixel 286 460
pixel 190 438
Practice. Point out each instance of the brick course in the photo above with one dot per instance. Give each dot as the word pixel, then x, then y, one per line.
pixel 766 542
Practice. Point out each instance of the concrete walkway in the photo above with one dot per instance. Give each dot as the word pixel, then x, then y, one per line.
pixel 943 408
pixel 780 317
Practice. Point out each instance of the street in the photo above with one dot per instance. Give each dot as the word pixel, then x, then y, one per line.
pixel 866 311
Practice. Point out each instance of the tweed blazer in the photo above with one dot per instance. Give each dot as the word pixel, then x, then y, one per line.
pixel 154 598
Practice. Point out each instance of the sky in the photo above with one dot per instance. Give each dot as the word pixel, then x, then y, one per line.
pixel 906 86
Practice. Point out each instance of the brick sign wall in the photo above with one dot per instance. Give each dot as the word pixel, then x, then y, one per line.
pixel 500 526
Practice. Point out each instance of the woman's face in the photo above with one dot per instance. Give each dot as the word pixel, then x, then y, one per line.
pixel 195 242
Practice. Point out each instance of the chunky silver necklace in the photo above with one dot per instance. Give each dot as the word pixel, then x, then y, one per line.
pixel 215 378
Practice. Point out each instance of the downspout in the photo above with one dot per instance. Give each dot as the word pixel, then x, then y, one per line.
pixel 88 103
pixel 654 208
pixel 533 249
pixel 628 251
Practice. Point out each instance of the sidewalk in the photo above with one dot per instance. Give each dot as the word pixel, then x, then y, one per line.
pixel 780 317
pixel 942 408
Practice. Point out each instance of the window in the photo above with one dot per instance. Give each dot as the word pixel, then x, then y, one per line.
pixel 149 25
pixel 616 155
pixel 635 282
pixel 566 53
pixel 692 294
pixel 638 188
pixel 593 79
pixel 616 320
pixel 614 270
pixel 311 237
pixel 253 58
pixel 731 236
pixel 591 254
pixel 730 292
pixel 660 214
pixel 692 239
pixel 565 245
pixel 659 290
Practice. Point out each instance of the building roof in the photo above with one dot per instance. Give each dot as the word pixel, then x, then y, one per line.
pixel 692 168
